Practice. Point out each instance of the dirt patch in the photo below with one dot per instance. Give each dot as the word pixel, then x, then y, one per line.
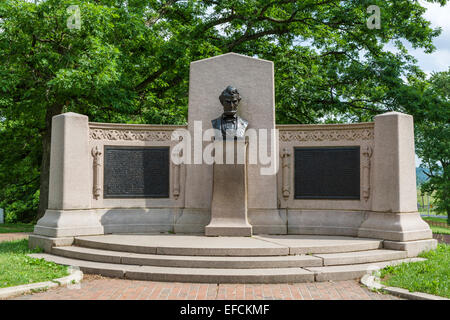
pixel 442 238
pixel 92 277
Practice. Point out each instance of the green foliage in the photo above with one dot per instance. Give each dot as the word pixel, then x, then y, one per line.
pixel 430 276
pixel 129 63
pixel 421 177
pixel 433 139
pixel 16 268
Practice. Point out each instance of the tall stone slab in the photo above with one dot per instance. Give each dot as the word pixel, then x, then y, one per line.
pixel 254 79
pixel 394 214
pixel 70 183
pixel 229 199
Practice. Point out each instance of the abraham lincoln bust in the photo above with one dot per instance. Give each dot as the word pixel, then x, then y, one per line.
pixel 229 124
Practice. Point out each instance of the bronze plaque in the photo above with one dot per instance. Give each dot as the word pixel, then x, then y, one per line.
pixel 136 172
pixel 327 173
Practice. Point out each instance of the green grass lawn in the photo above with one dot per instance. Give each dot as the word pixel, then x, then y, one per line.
pixel 16 227
pixel 435 219
pixel 440 230
pixel 431 276
pixel 436 229
pixel 16 268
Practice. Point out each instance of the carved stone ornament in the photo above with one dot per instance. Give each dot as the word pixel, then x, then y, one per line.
pixel 285 165
pixel 365 163
pixel 96 154
pixel 176 177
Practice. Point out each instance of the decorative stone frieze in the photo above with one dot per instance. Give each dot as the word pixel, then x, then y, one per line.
pixel 326 135
pixel 131 132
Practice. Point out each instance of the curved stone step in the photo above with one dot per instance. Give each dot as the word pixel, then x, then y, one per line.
pixel 359 257
pixel 354 271
pixel 196 245
pixel 315 244
pixel 217 262
pixel 202 275
pixel 195 275
pixel 188 245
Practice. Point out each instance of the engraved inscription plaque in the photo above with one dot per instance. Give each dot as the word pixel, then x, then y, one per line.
pixel 327 173
pixel 136 172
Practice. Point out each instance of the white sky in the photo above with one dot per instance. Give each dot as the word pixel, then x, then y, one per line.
pixel 439 60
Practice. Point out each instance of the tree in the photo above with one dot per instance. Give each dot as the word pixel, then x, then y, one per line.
pixel 433 139
pixel 129 62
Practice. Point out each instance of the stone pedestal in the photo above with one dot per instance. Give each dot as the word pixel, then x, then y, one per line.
pixel 229 192
pixel 69 210
pixel 394 214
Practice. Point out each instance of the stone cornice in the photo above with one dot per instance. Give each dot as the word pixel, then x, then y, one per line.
pixel 145 127
pixel 332 126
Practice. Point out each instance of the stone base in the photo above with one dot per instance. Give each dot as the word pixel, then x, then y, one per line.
pixel 47 243
pixel 139 220
pixel 68 223
pixel 413 248
pixel 228 231
pixel 324 222
pixel 267 221
pixel 395 226
pixel 192 220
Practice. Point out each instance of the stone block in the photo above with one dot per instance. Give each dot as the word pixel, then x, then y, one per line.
pixel 47 243
pixel 413 248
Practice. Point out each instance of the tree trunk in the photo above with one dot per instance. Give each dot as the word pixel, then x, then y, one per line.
pixel 45 162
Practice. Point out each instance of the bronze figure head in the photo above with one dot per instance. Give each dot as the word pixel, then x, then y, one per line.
pixel 230 99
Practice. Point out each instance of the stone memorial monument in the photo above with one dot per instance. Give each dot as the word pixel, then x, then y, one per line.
pixel 341 180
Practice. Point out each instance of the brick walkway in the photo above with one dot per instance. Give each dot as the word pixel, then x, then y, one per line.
pixel 13 236
pixel 99 288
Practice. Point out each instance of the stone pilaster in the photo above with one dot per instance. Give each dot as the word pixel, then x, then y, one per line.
pixel 394 213
pixel 70 187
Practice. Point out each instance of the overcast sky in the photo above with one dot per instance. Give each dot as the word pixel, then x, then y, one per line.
pixel 439 60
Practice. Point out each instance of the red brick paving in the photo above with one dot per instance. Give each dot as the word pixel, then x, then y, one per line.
pixel 13 236
pixel 95 287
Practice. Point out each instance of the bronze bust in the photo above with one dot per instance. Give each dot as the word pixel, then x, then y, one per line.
pixel 229 124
